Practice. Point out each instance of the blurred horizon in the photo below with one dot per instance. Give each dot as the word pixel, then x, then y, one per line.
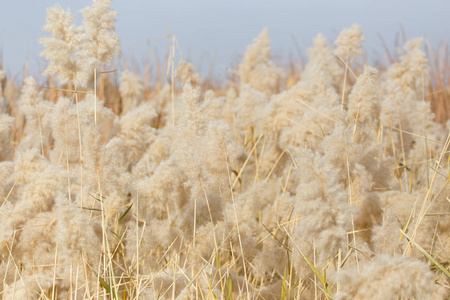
pixel 217 33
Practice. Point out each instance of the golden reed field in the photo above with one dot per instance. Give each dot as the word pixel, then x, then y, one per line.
pixel 322 179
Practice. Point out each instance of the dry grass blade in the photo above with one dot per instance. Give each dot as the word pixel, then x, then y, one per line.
pixel 317 273
pixel 427 255
pixel 107 287
pixel 126 212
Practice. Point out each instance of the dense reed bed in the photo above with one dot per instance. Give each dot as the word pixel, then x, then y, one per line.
pixel 323 180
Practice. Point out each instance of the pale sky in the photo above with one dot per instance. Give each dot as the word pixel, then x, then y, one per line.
pixel 220 30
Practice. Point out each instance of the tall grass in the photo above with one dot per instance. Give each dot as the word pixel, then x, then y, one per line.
pixel 321 180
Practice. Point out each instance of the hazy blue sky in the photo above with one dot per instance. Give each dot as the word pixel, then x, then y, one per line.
pixel 222 29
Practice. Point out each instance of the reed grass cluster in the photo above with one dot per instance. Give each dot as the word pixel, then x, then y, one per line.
pixel 327 179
